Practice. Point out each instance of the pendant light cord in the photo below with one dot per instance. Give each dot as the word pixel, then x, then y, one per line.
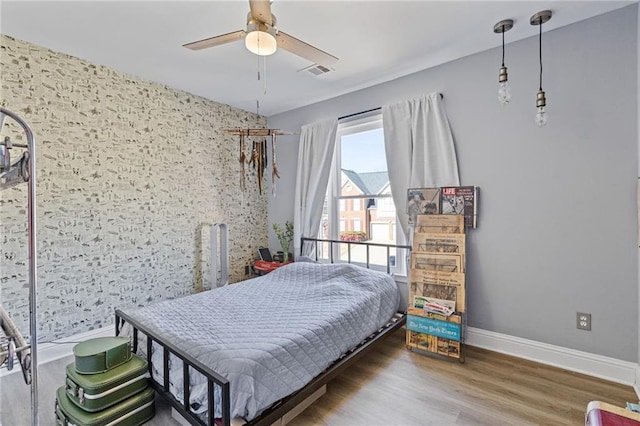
pixel 540 45
pixel 503 45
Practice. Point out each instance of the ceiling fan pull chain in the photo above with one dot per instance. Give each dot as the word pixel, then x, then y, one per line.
pixel 258 68
pixel 264 67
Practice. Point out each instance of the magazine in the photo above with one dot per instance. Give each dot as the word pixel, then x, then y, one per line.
pixel 437 277
pixel 440 224
pixel 438 243
pixel 460 200
pixel 437 262
pixel 438 291
pixel 421 201
pixel 435 343
pixel 438 284
pixel 434 305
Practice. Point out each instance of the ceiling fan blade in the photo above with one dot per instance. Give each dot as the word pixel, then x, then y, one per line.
pixel 261 11
pixel 307 51
pixel 215 41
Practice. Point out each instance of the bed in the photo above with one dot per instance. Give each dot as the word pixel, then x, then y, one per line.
pixel 256 349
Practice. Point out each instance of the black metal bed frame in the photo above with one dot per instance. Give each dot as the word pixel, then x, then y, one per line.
pixel 368 245
pixel 278 409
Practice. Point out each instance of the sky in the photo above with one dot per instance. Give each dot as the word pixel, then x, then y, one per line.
pixel 364 152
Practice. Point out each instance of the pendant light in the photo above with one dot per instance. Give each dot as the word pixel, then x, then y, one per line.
pixel 504 91
pixel 541 101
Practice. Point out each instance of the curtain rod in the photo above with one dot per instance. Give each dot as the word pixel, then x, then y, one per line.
pixel 369 110
pixel 359 113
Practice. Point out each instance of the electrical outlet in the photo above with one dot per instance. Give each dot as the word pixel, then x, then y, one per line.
pixel 583 321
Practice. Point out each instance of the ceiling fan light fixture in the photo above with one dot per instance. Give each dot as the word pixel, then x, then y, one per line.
pixel 260 38
pixel 263 38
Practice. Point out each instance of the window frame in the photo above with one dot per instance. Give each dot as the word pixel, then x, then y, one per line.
pixel 362 123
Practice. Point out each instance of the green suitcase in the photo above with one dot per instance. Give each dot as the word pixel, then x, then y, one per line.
pixel 95 392
pixel 101 354
pixel 133 411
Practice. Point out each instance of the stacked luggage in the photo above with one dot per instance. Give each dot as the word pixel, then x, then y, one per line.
pixel 106 385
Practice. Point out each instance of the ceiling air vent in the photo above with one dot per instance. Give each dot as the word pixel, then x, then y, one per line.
pixel 316 69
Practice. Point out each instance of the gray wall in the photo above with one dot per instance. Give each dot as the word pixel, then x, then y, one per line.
pixel 638 131
pixel 558 218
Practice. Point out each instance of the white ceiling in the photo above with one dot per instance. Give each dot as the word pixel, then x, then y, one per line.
pixel 375 41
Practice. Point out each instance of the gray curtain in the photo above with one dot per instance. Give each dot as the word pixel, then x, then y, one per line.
pixel 420 149
pixel 317 144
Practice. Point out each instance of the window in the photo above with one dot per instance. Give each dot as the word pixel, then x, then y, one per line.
pixel 359 194
pixel 385 207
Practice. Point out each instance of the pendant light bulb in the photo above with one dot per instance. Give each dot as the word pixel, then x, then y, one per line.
pixel 504 91
pixel 541 116
pixel 541 100
pixel 541 104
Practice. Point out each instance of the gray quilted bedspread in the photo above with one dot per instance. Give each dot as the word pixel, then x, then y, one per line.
pixel 271 335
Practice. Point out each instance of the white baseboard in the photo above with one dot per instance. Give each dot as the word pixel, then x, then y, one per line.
pixel 636 385
pixel 62 348
pixel 603 367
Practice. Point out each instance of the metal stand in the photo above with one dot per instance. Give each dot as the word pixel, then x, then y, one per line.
pixel 12 174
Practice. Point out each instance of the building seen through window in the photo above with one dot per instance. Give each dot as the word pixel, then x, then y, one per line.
pixel 358 206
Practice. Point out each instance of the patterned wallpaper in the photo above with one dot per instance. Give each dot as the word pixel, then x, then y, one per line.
pixel 129 174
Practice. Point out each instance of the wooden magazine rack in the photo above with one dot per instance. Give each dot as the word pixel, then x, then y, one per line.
pixel 436 308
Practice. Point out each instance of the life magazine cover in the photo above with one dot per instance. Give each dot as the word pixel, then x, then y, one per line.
pixel 460 200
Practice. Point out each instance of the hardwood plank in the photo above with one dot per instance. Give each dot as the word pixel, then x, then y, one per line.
pixel 393 386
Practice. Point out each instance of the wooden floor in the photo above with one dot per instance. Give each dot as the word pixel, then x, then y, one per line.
pixel 392 386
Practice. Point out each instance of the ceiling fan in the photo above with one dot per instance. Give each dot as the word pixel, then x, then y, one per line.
pixel 263 38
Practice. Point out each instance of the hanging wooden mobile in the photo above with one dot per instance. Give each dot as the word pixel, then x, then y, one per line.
pixel 263 162
pixel 258 158
pixel 243 159
pixel 274 169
